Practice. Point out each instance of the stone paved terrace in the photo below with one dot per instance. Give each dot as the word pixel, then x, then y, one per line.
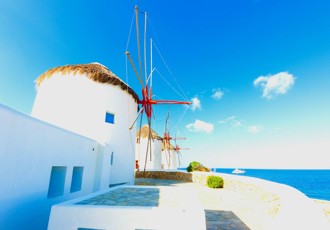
pixel 130 196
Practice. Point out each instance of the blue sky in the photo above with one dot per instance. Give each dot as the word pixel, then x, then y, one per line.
pixel 257 70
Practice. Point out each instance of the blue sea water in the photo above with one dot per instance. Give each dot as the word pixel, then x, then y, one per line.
pixel 313 183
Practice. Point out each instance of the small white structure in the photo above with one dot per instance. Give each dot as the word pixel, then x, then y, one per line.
pixel 150 157
pixel 90 100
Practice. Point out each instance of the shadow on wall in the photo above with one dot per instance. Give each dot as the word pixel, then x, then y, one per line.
pixel 217 219
pixel 31 212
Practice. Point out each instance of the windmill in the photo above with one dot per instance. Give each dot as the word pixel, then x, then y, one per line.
pixel 155 152
pixel 147 101
pixel 170 150
pixel 178 149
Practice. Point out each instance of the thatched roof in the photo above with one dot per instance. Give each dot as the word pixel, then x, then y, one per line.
pixel 167 146
pixel 94 71
pixel 145 133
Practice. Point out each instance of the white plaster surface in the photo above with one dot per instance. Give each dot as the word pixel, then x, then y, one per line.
pixel 155 161
pixel 296 210
pixel 170 161
pixel 28 150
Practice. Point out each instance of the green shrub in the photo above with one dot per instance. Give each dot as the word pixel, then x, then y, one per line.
pixel 214 182
pixel 196 166
pixel 193 166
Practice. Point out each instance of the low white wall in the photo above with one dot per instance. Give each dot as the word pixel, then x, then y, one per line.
pixel 29 149
pixel 296 210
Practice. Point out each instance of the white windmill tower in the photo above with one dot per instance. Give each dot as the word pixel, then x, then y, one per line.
pixel 170 154
pixel 90 100
pixel 152 161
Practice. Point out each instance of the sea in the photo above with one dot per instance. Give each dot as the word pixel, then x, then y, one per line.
pixel 313 183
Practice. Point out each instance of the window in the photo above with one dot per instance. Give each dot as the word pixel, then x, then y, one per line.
pixel 109 118
pixel 56 182
pixel 76 181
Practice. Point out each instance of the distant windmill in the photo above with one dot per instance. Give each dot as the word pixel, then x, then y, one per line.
pixel 169 150
pixel 178 149
pixel 155 157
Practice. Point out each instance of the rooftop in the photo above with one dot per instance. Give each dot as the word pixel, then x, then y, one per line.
pixel 94 71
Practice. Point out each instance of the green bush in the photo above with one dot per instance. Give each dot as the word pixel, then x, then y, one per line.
pixel 214 182
pixel 193 166
pixel 196 166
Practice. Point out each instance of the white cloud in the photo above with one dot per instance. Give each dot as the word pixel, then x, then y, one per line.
pixel 236 124
pixel 217 94
pixel 200 126
pixel 196 104
pixel 273 85
pixel 227 119
pixel 232 121
pixel 254 129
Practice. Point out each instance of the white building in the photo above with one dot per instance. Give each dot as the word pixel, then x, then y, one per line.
pixel 77 142
pixel 149 158
pixel 42 165
pixel 93 102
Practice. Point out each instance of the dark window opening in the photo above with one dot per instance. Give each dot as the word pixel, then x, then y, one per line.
pixel 57 181
pixel 76 182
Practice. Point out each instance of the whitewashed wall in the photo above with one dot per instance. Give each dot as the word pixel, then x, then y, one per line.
pixel 172 159
pixel 156 154
pixel 29 148
pixel 79 104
